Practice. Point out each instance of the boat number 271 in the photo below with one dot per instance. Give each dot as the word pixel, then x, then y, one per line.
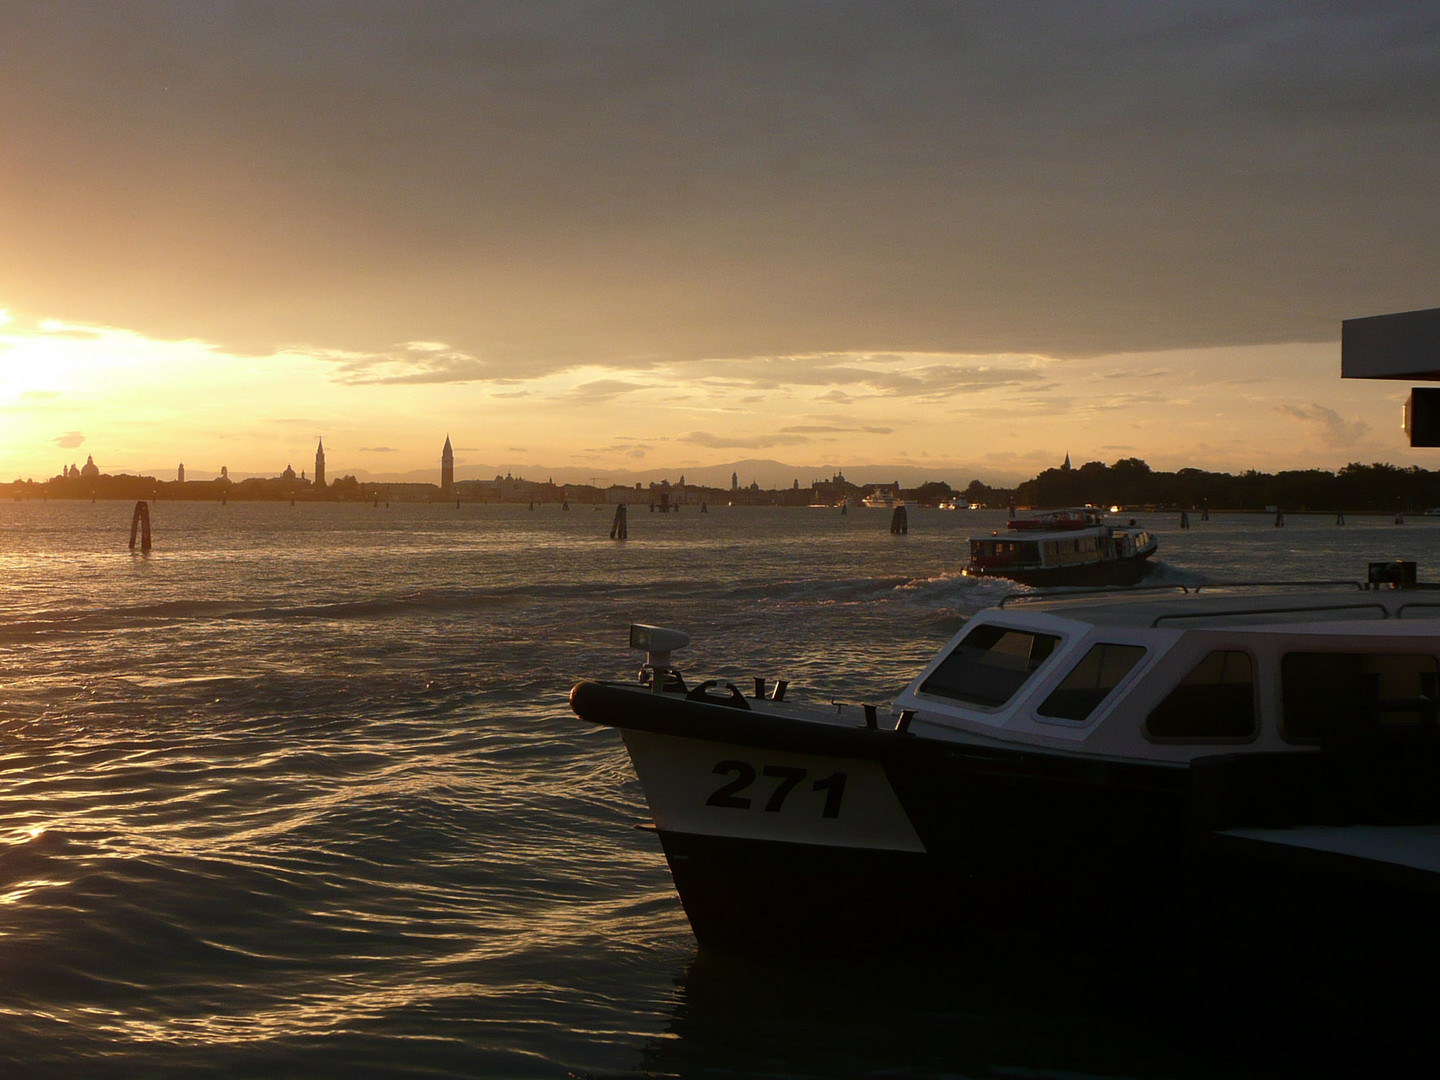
pixel 773 783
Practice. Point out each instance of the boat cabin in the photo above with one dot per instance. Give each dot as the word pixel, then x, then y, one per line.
pixel 1137 678
pixel 1077 549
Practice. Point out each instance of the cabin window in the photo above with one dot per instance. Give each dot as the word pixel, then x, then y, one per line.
pixel 1090 681
pixel 1331 695
pixel 989 665
pixel 1215 701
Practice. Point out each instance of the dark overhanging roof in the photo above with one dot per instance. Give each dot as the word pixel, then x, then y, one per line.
pixel 1405 345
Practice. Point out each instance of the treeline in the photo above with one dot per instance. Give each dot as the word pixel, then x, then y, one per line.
pixel 1377 487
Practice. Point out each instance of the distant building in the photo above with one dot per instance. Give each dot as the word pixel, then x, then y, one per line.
pixel 734 481
pixel 447 471
pixel 320 463
pixel 89 469
pixel 288 474
pixel 180 473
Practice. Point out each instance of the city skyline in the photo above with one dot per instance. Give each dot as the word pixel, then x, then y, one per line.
pixel 933 240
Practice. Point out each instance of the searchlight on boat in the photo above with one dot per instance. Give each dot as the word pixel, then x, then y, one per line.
pixel 658 643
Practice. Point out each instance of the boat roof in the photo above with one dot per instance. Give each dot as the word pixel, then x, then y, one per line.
pixel 1197 607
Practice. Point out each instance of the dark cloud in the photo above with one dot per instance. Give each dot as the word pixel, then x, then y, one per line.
pixel 442 368
pixel 882 376
pixel 835 429
pixel 605 389
pixel 546 184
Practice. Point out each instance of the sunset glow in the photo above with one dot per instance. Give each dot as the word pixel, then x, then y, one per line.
pixel 930 263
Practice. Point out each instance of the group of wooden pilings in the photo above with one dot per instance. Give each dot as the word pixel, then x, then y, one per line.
pixel 1185 517
pixel 1280 518
pixel 620 526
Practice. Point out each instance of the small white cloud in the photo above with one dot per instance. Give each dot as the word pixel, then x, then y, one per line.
pixel 1331 429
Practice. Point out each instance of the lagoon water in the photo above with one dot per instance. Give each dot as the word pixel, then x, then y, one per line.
pixel 299 794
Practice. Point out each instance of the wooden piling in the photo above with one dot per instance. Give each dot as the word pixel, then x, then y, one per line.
pixel 619 529
pixel 140 522
pixel 899 522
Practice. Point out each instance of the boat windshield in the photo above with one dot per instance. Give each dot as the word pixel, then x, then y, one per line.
pixel 1090 681
pixel 989 665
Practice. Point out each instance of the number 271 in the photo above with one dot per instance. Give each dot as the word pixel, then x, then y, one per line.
pixel 729 797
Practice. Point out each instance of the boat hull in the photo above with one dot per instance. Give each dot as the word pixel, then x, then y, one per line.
pixel 924 838
pixel 1129 571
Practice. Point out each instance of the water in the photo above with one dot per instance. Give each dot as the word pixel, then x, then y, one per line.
pixel 299 794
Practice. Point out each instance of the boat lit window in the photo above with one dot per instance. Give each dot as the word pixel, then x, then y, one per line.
pixel 989 665
pixel 1215 701
pixel 1091 680
pixel 1337 695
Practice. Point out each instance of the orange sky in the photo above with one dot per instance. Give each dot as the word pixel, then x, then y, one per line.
pixel 939 241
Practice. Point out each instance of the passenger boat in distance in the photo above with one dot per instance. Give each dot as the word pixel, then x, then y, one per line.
pixel 1127 764
pixel 1064 547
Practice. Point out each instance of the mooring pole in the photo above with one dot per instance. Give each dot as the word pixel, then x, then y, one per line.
pixel 899 522
pixel 619 530
pixel 140 522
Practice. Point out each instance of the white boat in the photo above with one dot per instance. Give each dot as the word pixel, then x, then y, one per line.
pixel 885 499
pixel 1123 763
pixel 1064 547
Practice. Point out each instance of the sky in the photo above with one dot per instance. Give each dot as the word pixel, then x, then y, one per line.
pixel 909 241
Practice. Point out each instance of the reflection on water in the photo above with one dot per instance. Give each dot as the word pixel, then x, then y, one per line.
pixel 300 794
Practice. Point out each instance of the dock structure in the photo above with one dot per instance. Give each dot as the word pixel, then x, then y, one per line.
pixel 1405 345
